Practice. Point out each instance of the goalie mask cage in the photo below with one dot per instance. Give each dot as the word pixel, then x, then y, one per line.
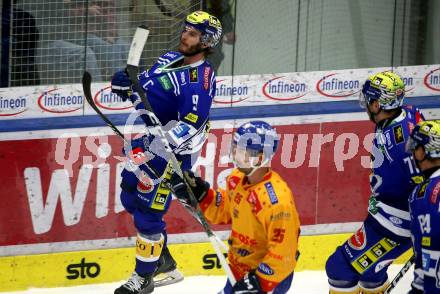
pixel 54 41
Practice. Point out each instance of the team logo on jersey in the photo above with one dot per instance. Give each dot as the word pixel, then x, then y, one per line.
pixel 253 200
pixel 145 184
pixel 193 75
pixel 233 182
pixel 271 192
pixel 422 190
pixel 358 240
pixel 396 220
pixel 243 252
pixel 265 269
pixel 165 82
pixel 381 265
pixel 398 134
pixel 206 77
pixel 191 117
pixel 183 78
pixel 426 241
pixel 218 199
pixel 434 194
pixel 410 127
pixel 137 156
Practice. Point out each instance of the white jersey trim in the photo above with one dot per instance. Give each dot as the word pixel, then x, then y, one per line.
pixel 390 226
pixel 394 211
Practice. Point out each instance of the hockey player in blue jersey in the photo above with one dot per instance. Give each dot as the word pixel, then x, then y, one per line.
pixel 424 203
pixel 180 87
pixel 360 264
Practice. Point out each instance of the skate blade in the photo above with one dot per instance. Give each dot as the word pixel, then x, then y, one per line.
pixel 168 278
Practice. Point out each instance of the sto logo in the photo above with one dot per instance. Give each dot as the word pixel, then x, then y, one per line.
pixel 358 240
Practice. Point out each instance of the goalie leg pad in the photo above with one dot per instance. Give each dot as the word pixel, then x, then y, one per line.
pixel 148 249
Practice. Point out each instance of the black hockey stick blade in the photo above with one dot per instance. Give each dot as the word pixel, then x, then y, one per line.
pixel 87 83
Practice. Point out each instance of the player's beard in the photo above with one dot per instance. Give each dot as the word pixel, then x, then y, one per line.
pixel 190 50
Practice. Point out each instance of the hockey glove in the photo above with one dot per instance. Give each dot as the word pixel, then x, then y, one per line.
pixel 248 284
pixel 197 185
pixel 121 85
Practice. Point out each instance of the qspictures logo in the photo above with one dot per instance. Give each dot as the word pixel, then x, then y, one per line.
pixel 83 270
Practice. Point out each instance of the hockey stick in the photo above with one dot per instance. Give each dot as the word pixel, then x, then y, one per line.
pixel 400 275
pixel 137 45
pixel 86 83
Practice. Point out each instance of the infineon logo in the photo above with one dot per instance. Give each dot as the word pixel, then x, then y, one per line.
pixel 331 86
pixel 104 98
pixel 432 79
pixel 409 83
pixel 12 106
pixel 282 89
pixel 55 102
pixel 225 94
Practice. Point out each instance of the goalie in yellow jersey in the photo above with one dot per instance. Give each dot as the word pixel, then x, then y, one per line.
pixel 261 210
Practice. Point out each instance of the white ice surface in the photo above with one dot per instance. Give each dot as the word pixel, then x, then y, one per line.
pixel 305 282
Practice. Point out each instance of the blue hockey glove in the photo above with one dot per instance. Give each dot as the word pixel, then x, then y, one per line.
pixel 248 284
pixel 121 85
pixel 197 185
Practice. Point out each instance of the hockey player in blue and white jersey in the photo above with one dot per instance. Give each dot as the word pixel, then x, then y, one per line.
pixel 424 203
pixel 360 264
pixel 180 87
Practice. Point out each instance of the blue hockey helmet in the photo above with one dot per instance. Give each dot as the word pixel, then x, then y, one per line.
pixel 256 140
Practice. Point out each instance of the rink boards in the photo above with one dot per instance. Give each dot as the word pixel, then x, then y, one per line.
pixel 109 265
pixel 81 223
pixel 61 220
